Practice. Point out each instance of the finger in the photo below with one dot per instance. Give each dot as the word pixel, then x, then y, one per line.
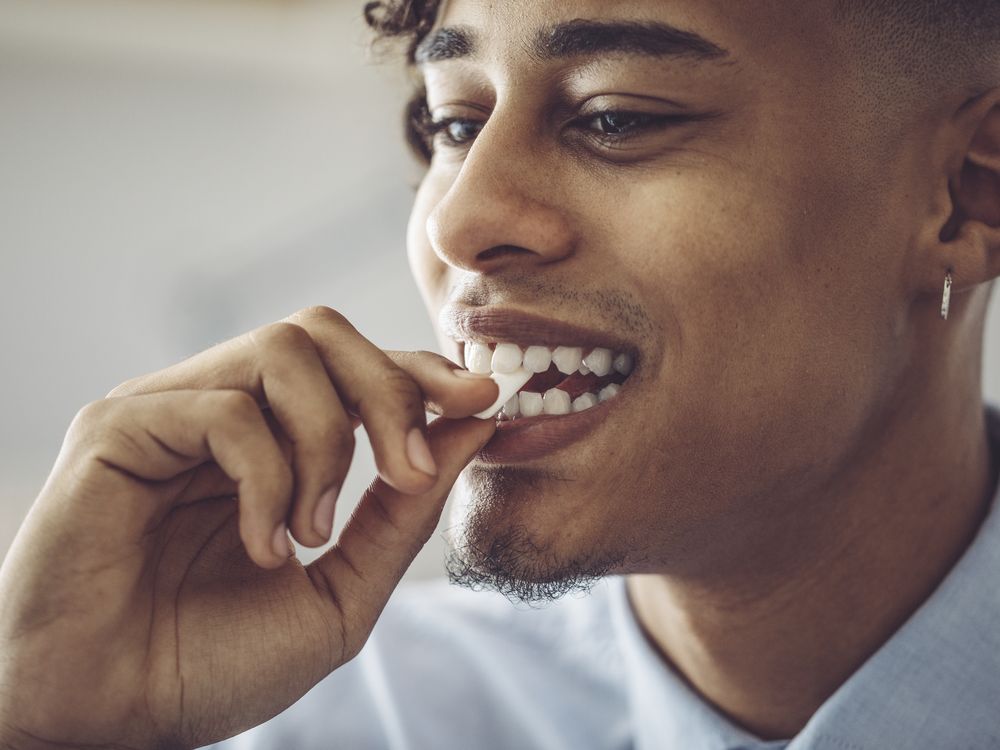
pixel 387 530
pixel 208 480
pixel 205 482
pixel 302 400
pixel 448 389
pixel 155 437
pixel 280 366
pixel 387 400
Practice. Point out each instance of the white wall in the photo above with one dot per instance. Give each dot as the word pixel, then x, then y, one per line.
pixel 175 172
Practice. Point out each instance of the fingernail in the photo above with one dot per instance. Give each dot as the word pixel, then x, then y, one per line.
pixel 281 544
pixel 470 375
pixel 323 515
pixel 419 453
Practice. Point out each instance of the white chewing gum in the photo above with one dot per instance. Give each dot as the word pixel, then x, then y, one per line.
pixel 509 384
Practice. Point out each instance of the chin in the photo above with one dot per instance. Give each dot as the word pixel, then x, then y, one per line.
pixel 500 538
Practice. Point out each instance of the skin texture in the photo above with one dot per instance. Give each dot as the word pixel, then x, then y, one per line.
pixel 803 453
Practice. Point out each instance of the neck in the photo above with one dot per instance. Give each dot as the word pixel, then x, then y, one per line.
pixel 767 644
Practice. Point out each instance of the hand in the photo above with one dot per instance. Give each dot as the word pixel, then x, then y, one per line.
pixel 144 605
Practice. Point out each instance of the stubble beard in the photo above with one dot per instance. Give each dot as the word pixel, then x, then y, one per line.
pixel 487 551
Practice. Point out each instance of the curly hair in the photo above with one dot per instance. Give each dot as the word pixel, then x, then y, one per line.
pixel 408 21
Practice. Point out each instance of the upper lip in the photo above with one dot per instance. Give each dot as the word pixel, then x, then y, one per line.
pixel 504 324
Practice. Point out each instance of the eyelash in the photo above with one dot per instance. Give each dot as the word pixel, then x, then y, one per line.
pixel 431 129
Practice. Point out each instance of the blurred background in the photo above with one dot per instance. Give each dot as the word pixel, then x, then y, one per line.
pixel 176 172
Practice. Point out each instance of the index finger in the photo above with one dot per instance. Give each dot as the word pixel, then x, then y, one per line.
pixel 449 390
pixel 386 397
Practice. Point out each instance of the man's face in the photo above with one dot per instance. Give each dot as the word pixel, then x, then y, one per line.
pixel 733 224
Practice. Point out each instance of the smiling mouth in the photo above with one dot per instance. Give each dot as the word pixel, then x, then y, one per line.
pixel 560 380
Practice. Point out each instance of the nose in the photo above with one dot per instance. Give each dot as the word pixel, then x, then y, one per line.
pixel 501 209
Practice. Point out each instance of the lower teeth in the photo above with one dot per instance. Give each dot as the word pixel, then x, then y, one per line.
pixel 554 402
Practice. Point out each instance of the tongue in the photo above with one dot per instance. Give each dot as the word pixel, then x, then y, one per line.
pixel 575 385
pixel 542 381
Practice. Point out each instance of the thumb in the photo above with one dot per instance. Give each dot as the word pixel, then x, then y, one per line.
pixel 388 529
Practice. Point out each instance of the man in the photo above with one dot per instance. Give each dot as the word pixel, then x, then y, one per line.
pixel 737 227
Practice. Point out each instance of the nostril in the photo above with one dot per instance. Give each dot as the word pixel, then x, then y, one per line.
pixel 500 251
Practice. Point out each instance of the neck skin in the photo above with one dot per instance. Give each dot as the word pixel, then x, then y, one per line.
pixel 769 643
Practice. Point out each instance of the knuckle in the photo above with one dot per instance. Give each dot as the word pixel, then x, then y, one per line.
pixel 98 426
pixel 92 416
pixel 320 314
pixel 282 336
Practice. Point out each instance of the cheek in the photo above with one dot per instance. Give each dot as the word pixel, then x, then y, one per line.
pixel 771 319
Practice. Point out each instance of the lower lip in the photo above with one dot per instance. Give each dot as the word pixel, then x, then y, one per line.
pixel 529 438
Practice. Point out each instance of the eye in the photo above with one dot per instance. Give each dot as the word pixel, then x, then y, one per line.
pixel 618 125
pixel 462 131
pixel 453 131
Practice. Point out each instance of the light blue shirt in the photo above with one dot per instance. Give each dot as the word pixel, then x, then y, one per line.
pixel 450 669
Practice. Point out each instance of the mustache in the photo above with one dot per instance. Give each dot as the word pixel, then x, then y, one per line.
pixel 567 300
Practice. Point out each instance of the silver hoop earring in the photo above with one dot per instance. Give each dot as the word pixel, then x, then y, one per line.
pixel 946 296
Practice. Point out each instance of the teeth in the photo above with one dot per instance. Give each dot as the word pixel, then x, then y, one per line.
pixel 530 404
pixel 478 357
pixel 537 358
pixel 506 358
pixel 609 391
pixel 513 407
pixel 599 362
pixel 556 402
pixel 507 386
pixel 623 363
pixel 511 367
pixel 568 359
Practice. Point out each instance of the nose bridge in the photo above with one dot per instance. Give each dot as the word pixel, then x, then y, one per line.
pixel 501 206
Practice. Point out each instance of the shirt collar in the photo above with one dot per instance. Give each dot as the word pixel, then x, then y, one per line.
pixel 933 684
pixel 666 712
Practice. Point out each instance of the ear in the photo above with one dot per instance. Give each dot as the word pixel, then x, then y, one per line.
pixel 968 241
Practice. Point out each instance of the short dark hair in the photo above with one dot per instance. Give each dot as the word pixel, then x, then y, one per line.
pixel 944 43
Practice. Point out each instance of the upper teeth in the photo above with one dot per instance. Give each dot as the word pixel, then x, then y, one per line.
pixel 599 362
pixel 537 358
pixel 508 358
pixel 477 358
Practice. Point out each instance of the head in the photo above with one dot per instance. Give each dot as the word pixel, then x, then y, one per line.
pixel 763 198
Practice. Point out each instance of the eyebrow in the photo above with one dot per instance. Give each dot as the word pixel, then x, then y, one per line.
pixel 582 38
